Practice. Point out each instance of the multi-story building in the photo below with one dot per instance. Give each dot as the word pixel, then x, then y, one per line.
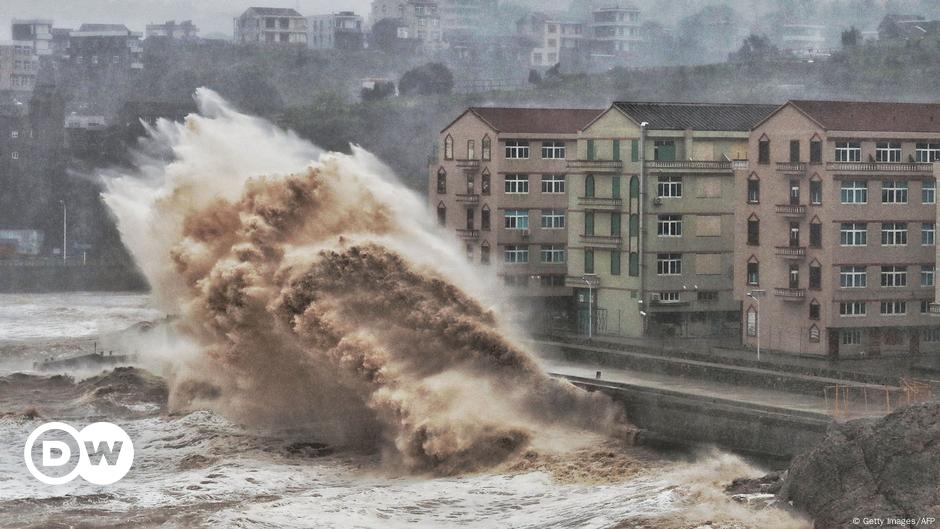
pixel 35 32
pixel 836 218
pixel 96 47
pixel 19 65
pixel 170 29
pixel 271 26
pixel 615 32
pixel 461 19
pixel 499 180
pixel 650 207
pixel 807 40
pixel 338 31
pixel 557 38
pixel 437 22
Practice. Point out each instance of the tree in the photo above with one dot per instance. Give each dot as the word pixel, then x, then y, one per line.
pixel 851 37
pixel 755 48
pixel 534 77
pixel 427 79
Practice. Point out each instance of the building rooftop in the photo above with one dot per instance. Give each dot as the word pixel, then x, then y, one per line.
pixel 275 11
pixel 536 120
pixel 696 116
pixel 102 27
pixel 872 116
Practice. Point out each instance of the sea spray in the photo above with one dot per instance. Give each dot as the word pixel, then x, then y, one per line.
pixel 322 296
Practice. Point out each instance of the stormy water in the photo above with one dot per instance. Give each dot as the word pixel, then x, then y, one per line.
pixel 316 353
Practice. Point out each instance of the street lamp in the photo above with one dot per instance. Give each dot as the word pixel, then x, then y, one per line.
pixel 589 281
pixel 753 295
pixel 65 234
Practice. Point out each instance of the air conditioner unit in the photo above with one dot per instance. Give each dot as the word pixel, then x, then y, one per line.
pixel 657 201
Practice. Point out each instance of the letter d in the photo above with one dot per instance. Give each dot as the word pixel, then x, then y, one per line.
pixel 63 456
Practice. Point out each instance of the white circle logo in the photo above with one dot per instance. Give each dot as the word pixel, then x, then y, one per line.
pixel 105 453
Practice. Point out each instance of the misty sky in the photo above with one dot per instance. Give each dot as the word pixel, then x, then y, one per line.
pixel 212 16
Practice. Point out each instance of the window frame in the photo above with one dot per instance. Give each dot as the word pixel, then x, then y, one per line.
pixel 893 232
pixel 851 193
pixel 549 254
pixel 669 264
pixel 853 276
pixel 853 234
pixel 553 184
pixel 887 152
pixel 848 151
pixel 671 184
pixel 894 192
pixel 516 219
pixel 669 226
pixel 517 150
pixel 519 253
pixel 516 184
pixel 893 276
pixel 553 150
pixel 552 219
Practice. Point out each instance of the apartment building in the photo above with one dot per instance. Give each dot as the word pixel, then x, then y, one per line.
pixel 19 65
pixel 271 26
pixel 615 31
pixel 172 29
pixel 837 222
pixel 97 47
pixel 37 33
pixel 499 181
pixel 336 31
pixel 650 206
pixel 557 38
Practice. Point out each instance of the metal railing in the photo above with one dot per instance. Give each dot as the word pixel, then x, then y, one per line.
pixel 791 210
pixel 602 240
pixel 468 198
pixel 790 293
pixel 792 167
pixel 596 165
pixel 791 252
pixel 600 202
pixel 715 165
pixel 880 167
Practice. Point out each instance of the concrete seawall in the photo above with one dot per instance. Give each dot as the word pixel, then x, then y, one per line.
pixel 65 278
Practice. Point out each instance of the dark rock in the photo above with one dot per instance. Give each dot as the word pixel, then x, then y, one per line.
pixel 871 468
pixel 769 484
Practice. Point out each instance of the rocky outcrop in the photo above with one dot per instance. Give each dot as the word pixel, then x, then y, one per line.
pixel 876 469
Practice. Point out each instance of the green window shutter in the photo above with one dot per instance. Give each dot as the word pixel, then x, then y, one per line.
pixel 614 263
pixel 616 150
pixel 634 150
pixel 634 187
pixel 634 225
pixel 589 186
pixel 615 187
pixel 589 223
pixel 634 264
pixel 615 225
pixel 588 261
pixel 590 149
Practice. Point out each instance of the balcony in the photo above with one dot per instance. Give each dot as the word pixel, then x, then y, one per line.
pixel 740 165
pixel 791 294
pixel 792 168
pixel 879 167
pixel 935 309
pixel 600 203
pixel 469 165
pixel 791 252
pixel 469 235
pixel 596 166
pixel 468 198
pixel 689 165
pixel 791 210
pixel 601 241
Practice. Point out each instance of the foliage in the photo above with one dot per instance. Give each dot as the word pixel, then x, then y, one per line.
pixel 851 37
pixel 428 79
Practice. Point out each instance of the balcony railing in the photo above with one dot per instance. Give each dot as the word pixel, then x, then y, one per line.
pixel 739 165
pixel 468 198
pixel 792 167
pixel 791 252
pixel 468 164
pixel 600 203
pixel 935 309
pixel 791 294
pixel 879 167
pixel 687 165
pixel 791 210
pixel 468 234
pixel 602 241
pixel 598 166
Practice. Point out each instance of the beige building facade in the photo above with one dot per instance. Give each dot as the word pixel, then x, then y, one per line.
pixel 836 222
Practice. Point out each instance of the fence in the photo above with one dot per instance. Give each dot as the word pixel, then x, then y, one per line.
pixel 859 400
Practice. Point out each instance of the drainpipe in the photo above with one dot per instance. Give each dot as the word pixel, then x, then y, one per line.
pixel 640 208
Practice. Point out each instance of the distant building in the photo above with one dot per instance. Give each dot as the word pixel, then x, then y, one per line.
pixel 37 32
pixel 804 39
pixel 184 30
pixel 271 26
pixel 104 47
pixel 19 65
pixel 615 33
pixel 557 39
pixel 896 26
pixel 337 31
pixel 438 23
pixel 463 19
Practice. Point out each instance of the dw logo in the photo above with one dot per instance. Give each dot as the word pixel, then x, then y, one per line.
pixel 104 452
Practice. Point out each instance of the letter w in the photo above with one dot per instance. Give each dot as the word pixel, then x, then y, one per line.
pixel 110 453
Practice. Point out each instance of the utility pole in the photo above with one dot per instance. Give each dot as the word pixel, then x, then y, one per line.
pixel 753 295
pixel 588 280
pixel 65 231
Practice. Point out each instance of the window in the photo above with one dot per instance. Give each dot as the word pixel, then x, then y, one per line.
pixel 588 261
pixel 928 233
pixel 848 151
pixel 815 192
pixel 589 223
pixel 553 253
pixel 751 321
pixel 485 182
pixel 893 308
pixel 634 187
pixel 928 152
pixel 893 276
pixel 516 254
pixel 753 191
pixel 517 150
pixel 669 226
pixel 851 336
pixel 794 234
pixel 471 219
pixel 553 150
pixel 615 186
pixel 932 334
pixel 517 184
pixel 893 192
pixel 517 219
pixel 928 191
pixel 634 264
pixel 753 273
pixel 853 234
pixel 815 235
pixel 553 219
pixel 814 310
pixel 669 264
pixel 753 232
pixel 449 148
pixel 669 297
pixel 707 295
pixel 815 277
pixel 925 306
pixel 15 155
pixel 553 280
pixel 794 276
pixel 893 233
pixel 441 214
pixel 469 248
pixel 669 187
pixel 485 148
pixel 14 134
pixel 470 183
pixel 815 151
pixel 589 186
pixel 853 277
pixel 763 151
pixel 887 152
pixel 927 275
pixel 590 150
pixel 795 151
pixel 614 263
pixel 664 150
pixel 854 192
pixel 471 150
pixel 853 308
pixel 553 183
pixel 485 253
pixel 485 218
pixel 615 224
pixel 441 180
pixel 634 225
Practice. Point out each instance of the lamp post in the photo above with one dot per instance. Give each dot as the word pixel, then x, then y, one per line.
pixel 753 295
pixel 65 232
